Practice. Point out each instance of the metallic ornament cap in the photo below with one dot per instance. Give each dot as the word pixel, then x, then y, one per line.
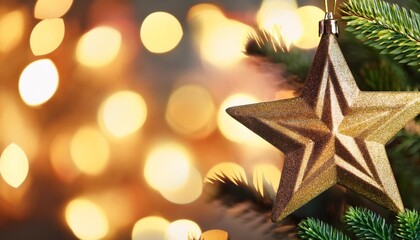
pixel 328 25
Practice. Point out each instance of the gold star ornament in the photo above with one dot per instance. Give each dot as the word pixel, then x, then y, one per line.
pixel 332 134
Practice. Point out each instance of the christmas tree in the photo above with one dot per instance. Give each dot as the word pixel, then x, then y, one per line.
pixel 393 32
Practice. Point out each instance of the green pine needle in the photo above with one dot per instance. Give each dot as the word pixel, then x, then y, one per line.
pixel 387 27
pixel 367 225
pixel 385 76
pixel 314 229
pixel 408 225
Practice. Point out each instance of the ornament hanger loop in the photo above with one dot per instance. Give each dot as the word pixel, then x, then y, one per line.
pixel 334 6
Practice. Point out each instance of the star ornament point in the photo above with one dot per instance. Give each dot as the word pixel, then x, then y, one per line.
pixel 333 133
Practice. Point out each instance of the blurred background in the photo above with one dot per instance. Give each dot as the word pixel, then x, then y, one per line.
pixel 112 113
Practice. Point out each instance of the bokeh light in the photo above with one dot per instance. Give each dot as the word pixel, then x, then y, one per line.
pixel 183 229
pixel 160 32
pixel 12 27
pixel 89 150
pixel 187 192
pixel 232 129
pixel 86 219
pixel 309 18
pixel 51 8
pixel 98 47
pixel 266 179
pixel 217 37
pixel 215 234
pixel 190 111
pixel 122 113
pixel 281 15
pixel 167 167
pixel 38 82
pixel 150 228
pixel 231 170
pixel 14 165
pixel 46 36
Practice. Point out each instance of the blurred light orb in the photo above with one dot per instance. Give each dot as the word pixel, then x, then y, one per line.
pixel 150 228
pixel 266 177
pixel 215 234
pixel 12 28
pixel 122 113
pixel 14 165
pixel 167 167
pixel 98 47
pixel 281 15
pixel 309 18
pixel 190 111
pixel 229 169
pixel 160 32
pixel 89 150
pixel 183 229
pixel 86 219
pixel 38 82
pixel 51 8
pixel 46 36
pixel 216 36
pixel 188 192
pixel 229 127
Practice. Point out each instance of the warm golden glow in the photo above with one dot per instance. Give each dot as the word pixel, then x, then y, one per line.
pixel 12 27
pixel 190 111
pixel 188 192
pixel 51 8
pixel 231 170
pixel 14 165
pixel 167 167
pixel 266 179
pixel 46 36
pixel 123 113
pixel 232 129
pixel 150 228
pixel 98 47
pixel 215 234
pixel 86 219
pixel 160 32
pixel 38 82
pixel 309 18
pixel 281 15
pixel 16 125
pixel 183 229
pixel 216 36
pixel 89 151
pixel 60 157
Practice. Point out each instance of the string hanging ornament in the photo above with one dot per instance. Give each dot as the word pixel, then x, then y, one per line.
pixel 333 133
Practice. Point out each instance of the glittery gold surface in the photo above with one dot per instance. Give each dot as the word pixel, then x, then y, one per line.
pixel 333 133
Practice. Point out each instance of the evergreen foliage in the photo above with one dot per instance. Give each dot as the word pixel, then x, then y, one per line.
pixel 408 225
pixel 367 225
pixel 392 29
pixel 314 229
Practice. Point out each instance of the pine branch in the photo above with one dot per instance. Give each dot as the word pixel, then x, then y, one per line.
pixel 389 28
pixel 231 191
pixel 408 225
pixel 315 229
pixel 249 204
pixel 385 76
pixel 367 225
pixel 272 46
